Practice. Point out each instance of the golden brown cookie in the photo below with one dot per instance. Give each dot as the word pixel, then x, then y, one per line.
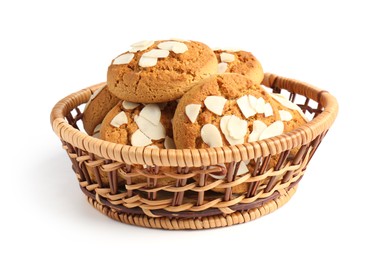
pixel 139 124
pixel 160 71
pixel 217 112
pixel 229 109
pixel 241 62
pixel 95 110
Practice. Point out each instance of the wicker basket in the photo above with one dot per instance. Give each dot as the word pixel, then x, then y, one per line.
pixel 189 204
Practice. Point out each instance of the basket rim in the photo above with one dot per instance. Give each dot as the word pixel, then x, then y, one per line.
pixel 199 157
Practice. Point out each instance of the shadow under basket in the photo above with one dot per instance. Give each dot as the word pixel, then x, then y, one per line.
pixel 123 182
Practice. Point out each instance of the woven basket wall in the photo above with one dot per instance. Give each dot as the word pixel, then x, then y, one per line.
pixel 106 171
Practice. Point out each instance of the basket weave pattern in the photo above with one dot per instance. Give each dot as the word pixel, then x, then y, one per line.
pixel 106 171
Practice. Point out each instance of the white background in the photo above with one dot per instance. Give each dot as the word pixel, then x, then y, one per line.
pixel 51 49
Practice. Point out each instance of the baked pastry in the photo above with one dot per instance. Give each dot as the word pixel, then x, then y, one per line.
pixel 241 62
pixel 159 71
pixel 141 125
pixel 229 109
pixel 99 104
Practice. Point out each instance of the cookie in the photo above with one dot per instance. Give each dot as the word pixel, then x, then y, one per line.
pixel 159 71
pixel 229 109
pixel 224 110
pixel 139 124
pixel 99 104
pixel 241 62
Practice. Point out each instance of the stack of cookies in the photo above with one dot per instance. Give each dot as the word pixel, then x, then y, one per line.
pixel 182 94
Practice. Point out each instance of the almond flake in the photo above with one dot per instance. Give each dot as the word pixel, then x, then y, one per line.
pixel 285 115
pixel 260 105
pixel 152 113
pixel 220 175
pixel 97 128
pixel 222 67
pixel 169 143
pixel 237 127
pixel 268 110
pixel 258 128
pixel 252 101
pixel 154 132
pixel 140 139
pixel 129 105
pixel 245 107
pixel 227 57
pixel 215 104
pixel 155 53
pixel 123 59
pixel 141 46
pixel 272 130
pixel 119 119
pixel 147 61
pixel 192 112
pixel 242 168
pixel 96 131
pixel 176 47
pixel 211 135
pixel 223 125
pixel 288 104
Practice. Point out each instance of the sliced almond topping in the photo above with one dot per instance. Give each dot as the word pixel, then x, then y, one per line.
pixel 272 130
pixel 154 132
pixel 97 128
pixel 147 61
pixel 222 67
pixel 211 135
pixel 260 105
pixel 96 131
pixel 245 107
pixel 227 57
pixel 152 113
pixel 169 143
pixel 218 175
pixel 180 48
pixel 285 115
pixel 155 53
pixel 141 46
pixel 192 112
pixel 242 168
pixel 287 103
pixel 119 119
pixel 123 59
pixel 140 139
pixel 237 127
pixel 223 124
pixel 268 110
pixel 258 128
pixel 252 101
pixel 176 47
pixel 215 104
pixel 129 105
